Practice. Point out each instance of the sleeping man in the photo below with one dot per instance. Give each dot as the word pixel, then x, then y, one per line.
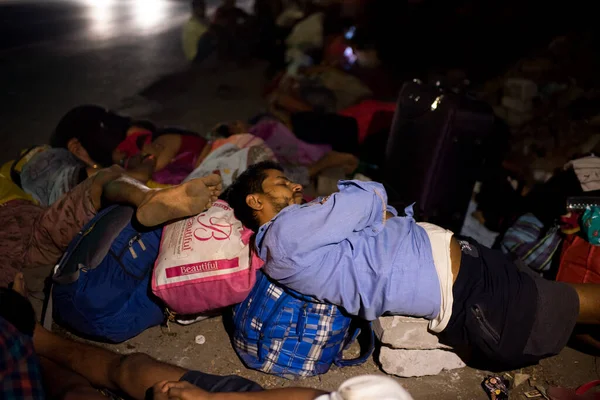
pixel 353 250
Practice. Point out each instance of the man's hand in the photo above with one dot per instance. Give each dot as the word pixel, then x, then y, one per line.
pixel 178 391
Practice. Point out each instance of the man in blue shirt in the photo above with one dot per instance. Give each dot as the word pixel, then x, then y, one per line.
pixel 353 250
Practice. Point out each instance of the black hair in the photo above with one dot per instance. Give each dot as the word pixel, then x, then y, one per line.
pixel 223 130
pixel 249 182
pixel 98 130
pixel 17 310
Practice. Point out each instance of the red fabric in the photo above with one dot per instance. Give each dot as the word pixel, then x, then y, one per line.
pixel 365 112
pixel 579 261
pixel 583 389
pixel 130 147
pixel 334 51
pixel 192 144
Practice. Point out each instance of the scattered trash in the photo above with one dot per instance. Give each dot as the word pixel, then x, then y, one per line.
pixel 188 320
pixel 495 387
pixel 520 379
pixel 533 394
pixel 543 391
pixel 200 339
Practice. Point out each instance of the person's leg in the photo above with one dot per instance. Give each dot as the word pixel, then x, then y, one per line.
pixel 589 303
pixel 61 222
pixel 60 383
pixel 156 206
pixel 132 374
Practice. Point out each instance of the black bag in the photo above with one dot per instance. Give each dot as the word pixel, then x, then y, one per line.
pixel 326 128
pixel 435 152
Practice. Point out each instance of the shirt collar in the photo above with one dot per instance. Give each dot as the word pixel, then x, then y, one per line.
pixel 262 231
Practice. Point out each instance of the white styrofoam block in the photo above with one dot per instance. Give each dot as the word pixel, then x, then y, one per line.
pixel 406 333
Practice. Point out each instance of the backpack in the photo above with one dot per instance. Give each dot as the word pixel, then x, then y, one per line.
pixel 101 286
pixel 205 262
pixel 282 332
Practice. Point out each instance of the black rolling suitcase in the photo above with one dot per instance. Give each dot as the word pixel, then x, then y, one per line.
pixel 435 152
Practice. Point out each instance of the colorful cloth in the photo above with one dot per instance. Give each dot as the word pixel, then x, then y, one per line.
pixel 527 241
pixel 10 191
pixel 284 333
pixel 232 156
pixel 31 235
pixel 20 371
pixel 365 112
pixel 287 147
pixel 135 142
pixel 590 225
pixel 51 174
pixel 183 163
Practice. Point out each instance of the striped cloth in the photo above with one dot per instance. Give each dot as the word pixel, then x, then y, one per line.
pixel 20 372
pixel 527 241
pixel 281 332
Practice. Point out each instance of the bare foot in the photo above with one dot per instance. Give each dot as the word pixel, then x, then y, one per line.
pixel 179 201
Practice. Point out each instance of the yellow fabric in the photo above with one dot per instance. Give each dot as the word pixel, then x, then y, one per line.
pixel 155 185
pixel 10 191
pixel 5 169
pixel 192 32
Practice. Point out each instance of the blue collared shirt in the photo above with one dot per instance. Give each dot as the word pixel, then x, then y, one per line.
pixel 341 249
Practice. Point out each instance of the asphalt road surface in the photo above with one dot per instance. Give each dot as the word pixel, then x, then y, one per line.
pixel 56 54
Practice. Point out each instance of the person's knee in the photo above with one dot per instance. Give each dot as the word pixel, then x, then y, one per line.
pixel 125 365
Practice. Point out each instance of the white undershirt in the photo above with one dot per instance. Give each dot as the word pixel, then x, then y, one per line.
pixel 440 239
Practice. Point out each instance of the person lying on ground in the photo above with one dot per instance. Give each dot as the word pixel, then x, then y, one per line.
pixel 353 250
pixel 73 370
pixel 32 235
pixel 305 161
pixel 89 138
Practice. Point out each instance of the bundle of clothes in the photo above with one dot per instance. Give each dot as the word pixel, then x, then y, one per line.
pixel 552 228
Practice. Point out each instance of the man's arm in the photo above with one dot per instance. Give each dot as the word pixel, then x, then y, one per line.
pixel 310 241
pixel 187 391
pixel 358 206
pixel 133 374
